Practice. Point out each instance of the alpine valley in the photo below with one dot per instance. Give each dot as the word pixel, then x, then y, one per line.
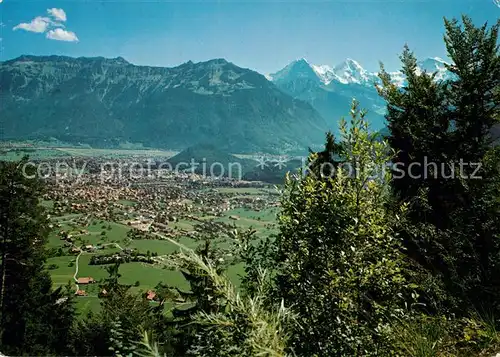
pixel 104 102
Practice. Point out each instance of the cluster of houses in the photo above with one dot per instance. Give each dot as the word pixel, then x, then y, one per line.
pixel 150 295
pixel 88 192
pixel 83 281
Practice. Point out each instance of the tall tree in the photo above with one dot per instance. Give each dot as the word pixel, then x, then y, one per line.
pixel 418 124
pixel 419 137
pixel 474 103
pixel 34 318
pixel 441 132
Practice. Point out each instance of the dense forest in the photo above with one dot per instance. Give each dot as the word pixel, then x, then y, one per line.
pixel 402 261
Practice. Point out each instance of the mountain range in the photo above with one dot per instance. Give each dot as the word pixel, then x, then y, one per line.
pixel 104 102
pixel 330 89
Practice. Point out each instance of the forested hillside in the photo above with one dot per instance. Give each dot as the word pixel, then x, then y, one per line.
pixel 105 102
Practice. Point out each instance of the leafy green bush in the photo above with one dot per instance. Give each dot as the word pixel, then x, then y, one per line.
pixel 338 257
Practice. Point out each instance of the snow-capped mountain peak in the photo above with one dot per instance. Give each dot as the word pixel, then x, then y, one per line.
pixel 432 64
pixel 352 64
pixel 435 65
pixel 324 72
pixel 351 72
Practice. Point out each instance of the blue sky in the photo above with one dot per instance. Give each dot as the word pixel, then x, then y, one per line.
pixel 264 36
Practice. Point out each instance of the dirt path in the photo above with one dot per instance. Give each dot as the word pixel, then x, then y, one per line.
pixel 78 261
pixel 76 270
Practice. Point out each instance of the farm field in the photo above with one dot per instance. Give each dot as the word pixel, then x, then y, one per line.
pixel 47 150
pixel 91 152
pixel 54 152
pixel 34 154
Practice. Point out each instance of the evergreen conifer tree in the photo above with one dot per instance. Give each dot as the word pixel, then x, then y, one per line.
pixel 35 319
pixel 447 166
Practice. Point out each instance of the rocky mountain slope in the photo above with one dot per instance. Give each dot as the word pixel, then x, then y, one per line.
pixel 104 101
pixel 330 89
